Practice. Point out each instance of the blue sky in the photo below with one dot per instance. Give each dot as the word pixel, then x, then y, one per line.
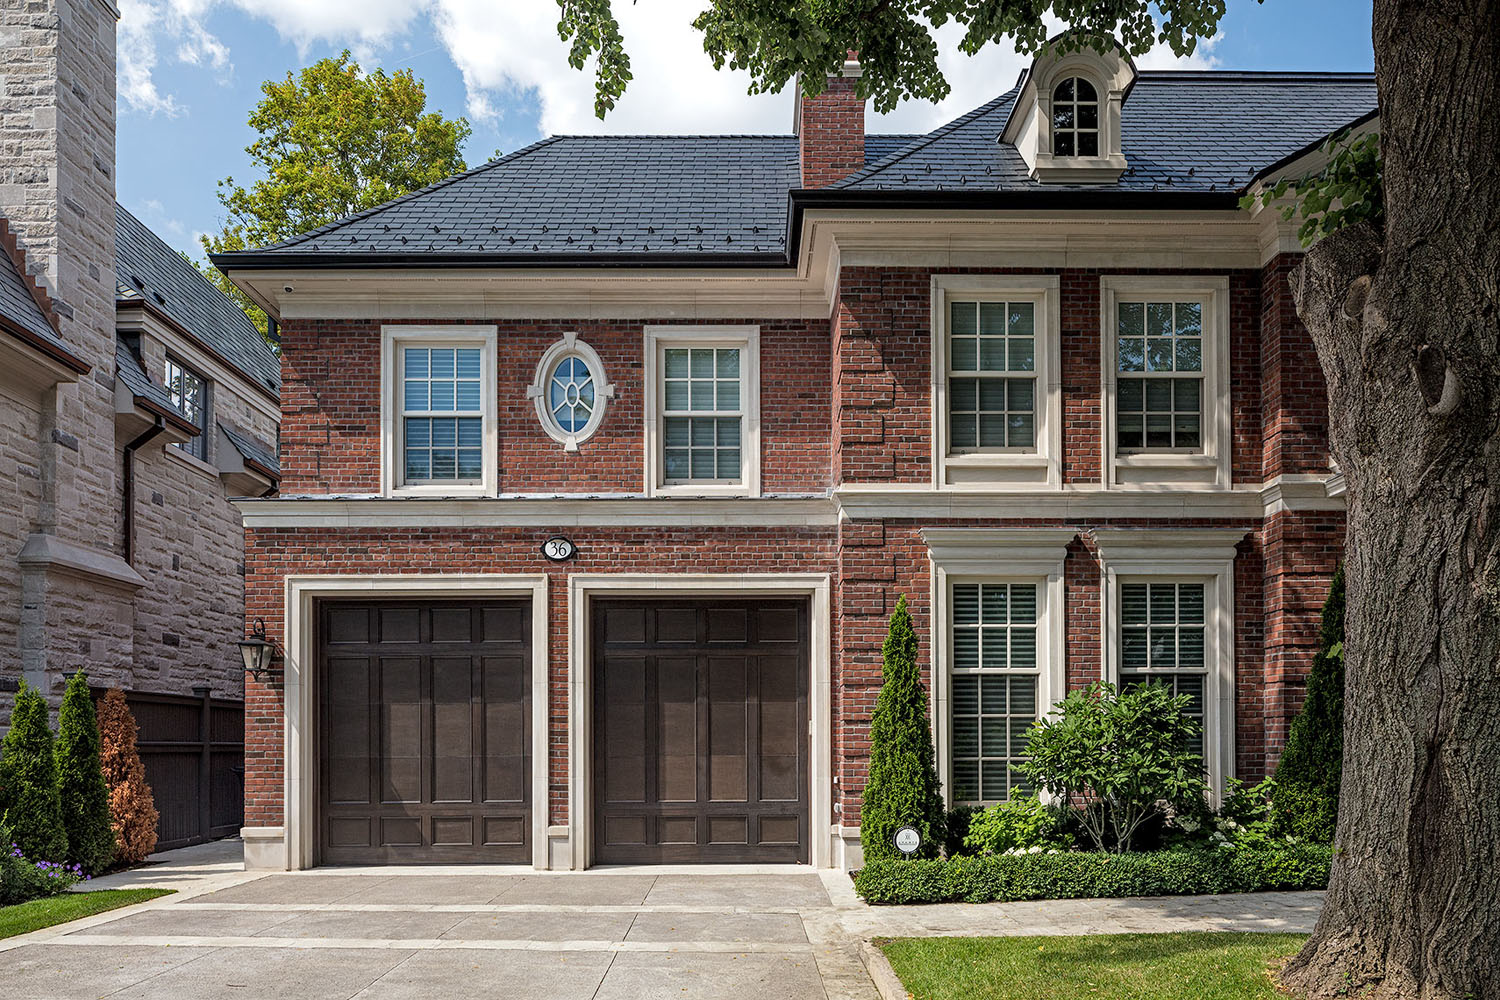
pixel 190 71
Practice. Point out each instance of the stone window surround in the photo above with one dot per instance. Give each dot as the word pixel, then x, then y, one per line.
pixel 570 346
pixel 747 339
pixel 1182 555
pixel 394 337
pixel 1205 467
pixel 995 555
pixel 1041 467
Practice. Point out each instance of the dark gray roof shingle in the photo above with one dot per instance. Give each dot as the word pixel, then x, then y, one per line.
pixel 252 450
pixel 602 197
pixel 150 271
pixel 128 369
pixel 19 306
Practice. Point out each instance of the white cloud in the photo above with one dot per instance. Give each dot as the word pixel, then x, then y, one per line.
pixel 512 50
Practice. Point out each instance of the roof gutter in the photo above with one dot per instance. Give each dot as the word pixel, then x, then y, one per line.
pixel 67 359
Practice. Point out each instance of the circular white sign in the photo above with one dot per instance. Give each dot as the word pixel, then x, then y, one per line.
pixel 908 840
pixel 557 548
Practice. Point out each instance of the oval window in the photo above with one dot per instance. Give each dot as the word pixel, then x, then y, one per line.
pixel 570 391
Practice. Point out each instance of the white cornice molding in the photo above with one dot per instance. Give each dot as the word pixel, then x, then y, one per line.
pixel 1018 550
pixel 1121 547
pixel 536 512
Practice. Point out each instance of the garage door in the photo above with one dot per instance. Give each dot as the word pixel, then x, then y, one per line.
pixel 700 731
pixel 425 723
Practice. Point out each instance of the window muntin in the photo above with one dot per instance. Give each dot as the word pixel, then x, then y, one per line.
pixel 188 392
pixel 442 414
pixel 571 394
pixel 1075 118
pixel 702 415
pixel 990 343
pixel 1159 364
pixel 1162 640
pixel 995 680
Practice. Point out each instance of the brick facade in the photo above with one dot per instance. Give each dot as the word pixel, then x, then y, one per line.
pixel 845 401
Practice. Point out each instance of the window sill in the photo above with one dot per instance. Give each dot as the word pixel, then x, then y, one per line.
pixel 191 461
pixel 441 490
pixel 702 490
pixel 1167 460
pixel 998 459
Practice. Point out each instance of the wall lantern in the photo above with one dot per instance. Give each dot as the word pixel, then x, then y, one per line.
pixel 258 651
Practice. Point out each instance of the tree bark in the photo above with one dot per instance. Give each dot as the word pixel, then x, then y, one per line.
pixel 1407 326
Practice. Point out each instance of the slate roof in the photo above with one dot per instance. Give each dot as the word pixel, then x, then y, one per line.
pixel 643 199
pixel 148 270
pixel 252 450
pixel 128 370
pixel 18 305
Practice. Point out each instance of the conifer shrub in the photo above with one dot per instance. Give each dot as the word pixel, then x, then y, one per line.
pixel 903 787
pixel 131 806
pixel 29 801
pixel 80 781
pixel 1305 794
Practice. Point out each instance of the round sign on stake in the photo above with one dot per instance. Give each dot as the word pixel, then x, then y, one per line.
pixel 907 840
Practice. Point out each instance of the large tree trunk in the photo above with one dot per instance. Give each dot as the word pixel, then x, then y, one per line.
pixel 1407 325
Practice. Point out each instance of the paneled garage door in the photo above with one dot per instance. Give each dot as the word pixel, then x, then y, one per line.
pixel 700 731
pixel 426 732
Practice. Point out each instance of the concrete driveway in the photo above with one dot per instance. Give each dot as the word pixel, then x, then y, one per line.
pixel 456 933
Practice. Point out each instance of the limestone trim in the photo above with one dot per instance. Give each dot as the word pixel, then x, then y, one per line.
pixel 995 555
pixel 584 587
pixel 1181 555
pixel 920 500
pixel 300 687
pixel 51 554
pixel 538 512
pixel 570 346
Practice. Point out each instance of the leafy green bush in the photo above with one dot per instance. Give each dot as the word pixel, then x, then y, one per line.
pixel 29 801
pixel 1114 756
pixel 1095 874
pixel 1021 823
pixel 1306 794
pixel 903 787
pixel 80 780
pixel 956 829
pixel 22 879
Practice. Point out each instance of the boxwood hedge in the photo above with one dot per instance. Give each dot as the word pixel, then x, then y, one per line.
pixel 1079 875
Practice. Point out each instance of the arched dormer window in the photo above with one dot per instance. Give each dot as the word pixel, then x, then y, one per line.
pixel 1075 118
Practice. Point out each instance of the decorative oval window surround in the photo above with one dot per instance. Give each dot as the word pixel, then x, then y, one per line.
pixel 570 391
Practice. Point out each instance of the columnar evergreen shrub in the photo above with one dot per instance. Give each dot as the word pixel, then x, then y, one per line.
pixel 29 800
pixel 80 781
pixel 130 803
pixel 1306 790
pixel 903 787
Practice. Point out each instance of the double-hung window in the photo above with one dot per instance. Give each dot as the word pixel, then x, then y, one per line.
pixel 994 687
pixel 440 410
pixel 997 410
pixel 1166 381
pixel 1162 641
pixel 188 391
pixel 703 427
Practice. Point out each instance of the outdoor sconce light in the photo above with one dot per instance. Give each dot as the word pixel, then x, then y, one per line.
pixel 258 651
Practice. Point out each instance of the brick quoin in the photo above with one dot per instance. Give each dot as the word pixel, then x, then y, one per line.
pixel 845 400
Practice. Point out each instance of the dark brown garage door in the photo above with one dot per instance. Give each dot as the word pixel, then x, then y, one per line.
pixel 426 732
pixel 700 731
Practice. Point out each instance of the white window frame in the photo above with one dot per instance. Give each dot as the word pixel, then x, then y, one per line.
pixel 995 555
pixel 604 391
pixel 392 340
pixel 747 340
pixel 1002 468
pixel 1208 465
pixel 1183 555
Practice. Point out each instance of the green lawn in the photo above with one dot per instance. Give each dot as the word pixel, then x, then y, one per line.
pixel 39 913
pixel 1191 966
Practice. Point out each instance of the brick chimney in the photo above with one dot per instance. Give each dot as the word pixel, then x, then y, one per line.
pixel 831 129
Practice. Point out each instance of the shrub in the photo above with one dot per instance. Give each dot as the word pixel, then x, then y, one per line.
pixel 903 787
pixel 131 807
pixel 1021 823
pixel 22 879
pixel 956 829
pixel 32 807
pixel 1115 756
pixel 1306 794
pixel 80 780
pixel 1095 874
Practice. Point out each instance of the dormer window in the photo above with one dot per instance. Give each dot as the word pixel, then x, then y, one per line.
pixel 1075 118
pixel 1067 122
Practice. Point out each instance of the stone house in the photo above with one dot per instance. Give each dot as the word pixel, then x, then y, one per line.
pixel 135 401
pixel 605 463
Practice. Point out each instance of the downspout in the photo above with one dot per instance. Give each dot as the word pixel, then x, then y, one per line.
pixel 129 485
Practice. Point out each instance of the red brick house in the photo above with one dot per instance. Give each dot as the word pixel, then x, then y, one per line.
pixel 604 464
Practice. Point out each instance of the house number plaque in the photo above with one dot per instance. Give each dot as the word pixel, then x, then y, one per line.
pixel 559 549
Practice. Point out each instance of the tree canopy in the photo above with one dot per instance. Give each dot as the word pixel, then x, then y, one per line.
pixel 777 41
pixel 334 140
